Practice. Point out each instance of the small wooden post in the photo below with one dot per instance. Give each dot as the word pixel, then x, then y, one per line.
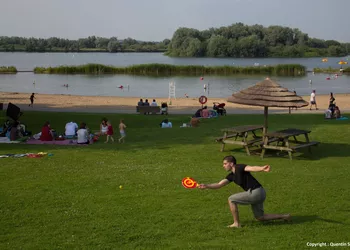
pixel 265 120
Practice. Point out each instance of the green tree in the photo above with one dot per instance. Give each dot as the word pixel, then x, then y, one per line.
pixel 194 48
pixel 332 43
pixel 113 46
pixel 217 46
pixel 336 50
pixel 317 43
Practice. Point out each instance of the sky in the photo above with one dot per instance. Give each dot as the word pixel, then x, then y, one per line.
pixel 155 20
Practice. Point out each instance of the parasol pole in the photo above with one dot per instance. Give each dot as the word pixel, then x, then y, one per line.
pixel 265 120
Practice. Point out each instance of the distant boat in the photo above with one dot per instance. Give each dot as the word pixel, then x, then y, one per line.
pixel 325 60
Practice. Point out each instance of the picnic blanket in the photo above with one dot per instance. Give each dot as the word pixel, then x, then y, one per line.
pixel 342 118
pixel 7 140
pixel 29 155
pixel 57 142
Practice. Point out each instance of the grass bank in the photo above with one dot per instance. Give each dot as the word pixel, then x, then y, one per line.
pixel 331 70
pixel 8 70
pixel 72 199
pixel 166 69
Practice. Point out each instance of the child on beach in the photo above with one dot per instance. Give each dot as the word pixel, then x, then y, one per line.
pixel 109 132
pixel 31 98
pixel 122 128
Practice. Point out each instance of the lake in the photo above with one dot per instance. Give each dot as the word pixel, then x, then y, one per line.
pixel 142 86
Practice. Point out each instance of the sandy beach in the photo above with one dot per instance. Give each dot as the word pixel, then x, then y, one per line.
pixel 112 104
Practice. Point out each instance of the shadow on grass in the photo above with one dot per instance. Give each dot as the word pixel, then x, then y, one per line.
pixel 322 150
pixel 300 219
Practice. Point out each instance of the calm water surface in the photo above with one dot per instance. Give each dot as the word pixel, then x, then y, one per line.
pixel 141 86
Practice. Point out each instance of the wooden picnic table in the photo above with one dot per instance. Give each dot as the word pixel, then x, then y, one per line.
pixel 284 136
pixel 232 134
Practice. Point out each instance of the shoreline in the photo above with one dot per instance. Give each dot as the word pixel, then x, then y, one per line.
pixel 110 104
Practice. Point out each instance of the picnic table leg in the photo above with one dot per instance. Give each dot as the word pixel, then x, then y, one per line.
pixel 245 143
pixel 254 135
pixel 223 144
pixel 307 141
pixel 286 142
pixel 295 139
pixel 263 149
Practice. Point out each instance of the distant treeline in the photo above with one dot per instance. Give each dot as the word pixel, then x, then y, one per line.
pixel 90 44
pixel 166 69
pixel 239 41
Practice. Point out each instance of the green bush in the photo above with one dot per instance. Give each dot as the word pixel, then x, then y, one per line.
pixel 8 70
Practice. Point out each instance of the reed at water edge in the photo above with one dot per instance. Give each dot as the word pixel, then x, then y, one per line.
pixel 331 70
pixel 167 69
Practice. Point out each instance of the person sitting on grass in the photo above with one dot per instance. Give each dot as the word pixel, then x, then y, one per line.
pixel 17 132
pixel 205 113
pixel 194 122
pixel 103 127
pixel 70 130
pixel 337 113
pixel 83 134
pixel 14 131
pixel 199 112
pixel 6 126
pixel 166 124
pixel 46 132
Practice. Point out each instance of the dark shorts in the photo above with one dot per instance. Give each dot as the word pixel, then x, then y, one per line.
pixel 255 198
pixel 313 103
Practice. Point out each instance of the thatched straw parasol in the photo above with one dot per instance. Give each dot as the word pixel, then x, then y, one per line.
pixel 268 94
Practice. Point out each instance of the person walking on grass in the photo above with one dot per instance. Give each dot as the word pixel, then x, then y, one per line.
pixel 31 98
pixel 109 132
pixel 313 99
pixel 122 128
pixel 254 194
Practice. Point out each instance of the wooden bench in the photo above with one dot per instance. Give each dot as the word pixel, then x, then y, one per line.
pixel 304 145
pixel 148 109
pixel 288 145
pixel 231 136
pixel 270 140
pixel 221 138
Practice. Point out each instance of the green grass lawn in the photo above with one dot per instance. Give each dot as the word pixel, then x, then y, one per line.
pixel 73 200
